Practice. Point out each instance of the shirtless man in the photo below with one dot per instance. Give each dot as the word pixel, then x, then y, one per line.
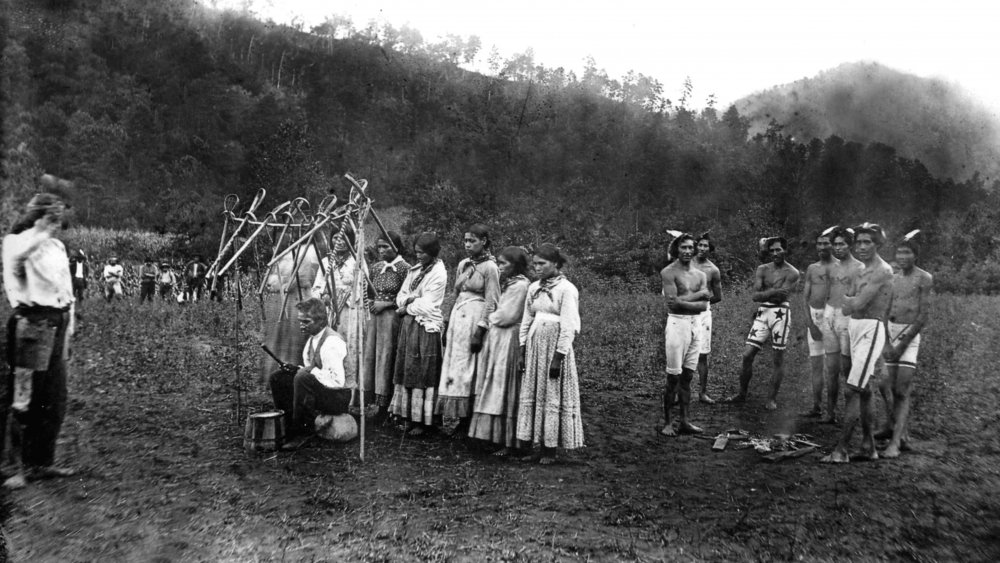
pixel 843 272
pixel 867 302
pixel 824 348
pixel 911 296
pixel 772 284
pixel 701 261
pixel 686 291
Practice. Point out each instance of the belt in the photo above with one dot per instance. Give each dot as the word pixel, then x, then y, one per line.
pixel 23 309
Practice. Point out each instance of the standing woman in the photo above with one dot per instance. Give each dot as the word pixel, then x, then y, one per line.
pixel 549 410
pixel 477 287
pixel 418 351
pixel 495 414
pixel 340 267
pixel 387 278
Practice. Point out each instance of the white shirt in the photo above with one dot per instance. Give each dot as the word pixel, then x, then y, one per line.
pixel 426 308
pixel 114 273
pixel 329 365
pixel 79 269
pixel 36 270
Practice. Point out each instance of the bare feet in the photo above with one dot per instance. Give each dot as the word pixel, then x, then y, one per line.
pixel 704 398
pixel 836 456
pixel 668 431
pixel 688 428
pixel 502 452
pixel 737 398
pixel 891 452
pixel 771 405
pixel 547 460
pixel 530 458
pixel 416 431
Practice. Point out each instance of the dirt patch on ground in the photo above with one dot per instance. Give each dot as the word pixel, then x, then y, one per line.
pixel 165 478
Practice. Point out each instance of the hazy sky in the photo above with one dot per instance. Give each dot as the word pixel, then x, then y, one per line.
pixel 729 48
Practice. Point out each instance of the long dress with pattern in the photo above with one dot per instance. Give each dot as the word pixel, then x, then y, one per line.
pixel 549 409
pixel 494 416
pixel 418 350
pixel 347 326
pixel 382 332
pixel 477 283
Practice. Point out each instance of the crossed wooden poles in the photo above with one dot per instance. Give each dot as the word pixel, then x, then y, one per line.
pixel 300 228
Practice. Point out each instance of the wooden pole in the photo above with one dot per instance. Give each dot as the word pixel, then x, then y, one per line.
pixel 359 289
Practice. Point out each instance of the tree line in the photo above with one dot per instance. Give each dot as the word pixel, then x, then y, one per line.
pixel 155 110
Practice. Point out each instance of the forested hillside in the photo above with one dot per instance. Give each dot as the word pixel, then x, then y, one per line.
pixel 928 119
pixel 155 109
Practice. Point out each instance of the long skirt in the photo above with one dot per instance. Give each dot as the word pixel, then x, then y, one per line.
pixel 417 372
pixel 549 409
pixel 281 331
pixel 347 326
pixel 460 366
pixel 380 356
pixel 497 392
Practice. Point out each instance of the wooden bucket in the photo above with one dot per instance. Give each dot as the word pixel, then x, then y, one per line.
pixel 265 431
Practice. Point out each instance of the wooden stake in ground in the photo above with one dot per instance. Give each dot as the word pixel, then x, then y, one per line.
pixel 359 288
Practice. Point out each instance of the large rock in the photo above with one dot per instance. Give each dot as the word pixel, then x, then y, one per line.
pixel 339 428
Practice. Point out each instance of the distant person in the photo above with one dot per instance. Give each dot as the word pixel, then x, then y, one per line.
pixel 867 302
pixel 319 385
pixel 113 274
pixel 148 273
pixel 773 283
pixel 704 248
pixel 912 291
pixel 194 278
pixel 494 417
pixel 80 270
pixel 842 274
pixel 382 331
pixel 418 355
pixel 687 293
pixel 549 413
pixel 39 287
pixel 476 289
pixel 217 286
pixel 824 347
pixel 166 281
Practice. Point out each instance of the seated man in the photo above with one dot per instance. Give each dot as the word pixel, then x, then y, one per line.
pixel 319 386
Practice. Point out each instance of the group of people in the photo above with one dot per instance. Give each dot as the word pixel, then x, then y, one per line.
pixel 502 364
pixel 154 279
pixel 865 317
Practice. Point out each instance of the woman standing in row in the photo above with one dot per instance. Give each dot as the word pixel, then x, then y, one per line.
pixel 477 287
pixel 418 353
pixel 549 407
pixel 382 330
pixel 339 268
pixel 494 417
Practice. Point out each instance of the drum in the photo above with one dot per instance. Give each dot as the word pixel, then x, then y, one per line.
pixel 265 431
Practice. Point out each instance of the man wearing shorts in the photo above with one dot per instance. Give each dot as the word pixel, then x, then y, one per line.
pixel 773 282
pixel 711 271
pixel 867 302
pixel 823 344
pixel 911 295
pixel 686 290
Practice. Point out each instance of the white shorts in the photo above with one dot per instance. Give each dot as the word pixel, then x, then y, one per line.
pixel 840 329
pixel 705 318
pixel 867 341
pixel 683 343
pixel 829 343
pixel 909 356
pixel 771 321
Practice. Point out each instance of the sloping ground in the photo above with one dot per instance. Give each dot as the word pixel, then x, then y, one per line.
pixel 165 477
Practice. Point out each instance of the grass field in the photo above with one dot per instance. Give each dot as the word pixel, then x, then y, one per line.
pixel 152 426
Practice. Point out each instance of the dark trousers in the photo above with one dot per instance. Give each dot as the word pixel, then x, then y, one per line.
pixel 147 290
pixel 79 288
pixel 40 424
pixel 302 398
pixel 166 290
